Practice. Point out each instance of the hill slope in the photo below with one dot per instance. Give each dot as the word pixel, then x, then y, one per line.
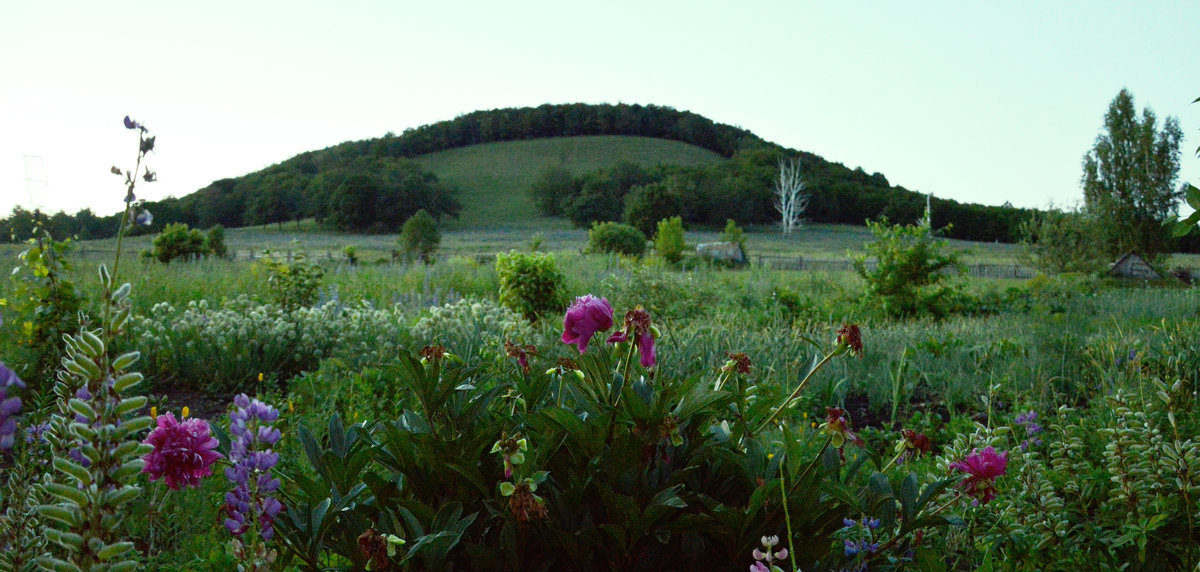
pixel 492 178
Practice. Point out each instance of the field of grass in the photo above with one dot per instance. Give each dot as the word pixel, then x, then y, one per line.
pixel 207 330
pixel 493 178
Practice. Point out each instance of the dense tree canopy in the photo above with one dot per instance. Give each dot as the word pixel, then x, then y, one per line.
pixel 1129 179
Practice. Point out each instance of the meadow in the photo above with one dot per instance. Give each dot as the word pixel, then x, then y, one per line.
pixel 693 477
pixel 522 403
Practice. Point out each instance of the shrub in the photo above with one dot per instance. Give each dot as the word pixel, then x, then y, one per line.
pixel 668 242
pixel 530 283
pixel 292 284
pixel 216 241
pixel 420 237
pixel 178 241
pixel 1056 242
pixel 648 204
pixel 909 272
pixel 614 237
pixel 733 233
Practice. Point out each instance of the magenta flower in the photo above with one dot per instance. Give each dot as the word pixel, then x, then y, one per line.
pixel 183 452
pixel 641 331
pixel 982 468
pixel 586 316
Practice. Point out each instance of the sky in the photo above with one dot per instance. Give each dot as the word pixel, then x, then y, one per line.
pixel 974 101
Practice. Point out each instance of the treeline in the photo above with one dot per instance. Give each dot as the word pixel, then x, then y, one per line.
pixel 359 194
pixel 370 186
pixel 742 189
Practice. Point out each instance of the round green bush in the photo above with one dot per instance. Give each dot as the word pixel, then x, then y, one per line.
pixel 614 237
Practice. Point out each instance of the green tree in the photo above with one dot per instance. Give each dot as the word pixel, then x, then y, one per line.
pixel 1055 242
pixel 552 189
pixel 420 237
pixel 177 241
pixel 909 274
pixel 1129 179
pixel 215 240
pixel 647 204
pixel 734 233
pixel 668 241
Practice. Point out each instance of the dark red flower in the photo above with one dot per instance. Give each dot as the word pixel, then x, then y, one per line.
pixel 639 328
pixel 738 362
pixel 434 353
pixel 837 427
pixel 521 352
pixel 850 337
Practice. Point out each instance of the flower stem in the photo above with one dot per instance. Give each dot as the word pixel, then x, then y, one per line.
pixel 795 394
pixel 892 462
pixel 787 517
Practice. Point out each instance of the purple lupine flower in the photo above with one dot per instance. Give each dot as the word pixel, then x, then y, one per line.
pixel 37 433
pixel 1032 428
pixel 764 561
pixel 144 218
pixel 183 451
pixel 252 461
pixel 586 316
pixel 9 407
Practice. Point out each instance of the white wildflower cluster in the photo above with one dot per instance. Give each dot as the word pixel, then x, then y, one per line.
pixel 228 346
pixel 472 327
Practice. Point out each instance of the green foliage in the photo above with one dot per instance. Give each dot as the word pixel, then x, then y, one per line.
pixel 647 204
pixel 420 237
pixel 224 349
pixel 1129 179
pixel 294 283
pixel 617 238
pixel 1055 242
pixel 372 194
pixel 472 328
pixel 44 293
pixel 178 242
pixel 668 241
pixel 733 233
pixel 531 284
pixel 215 241
pixel 553 187
pixel 909 272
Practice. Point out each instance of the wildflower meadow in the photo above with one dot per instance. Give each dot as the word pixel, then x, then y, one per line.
pixel 568 411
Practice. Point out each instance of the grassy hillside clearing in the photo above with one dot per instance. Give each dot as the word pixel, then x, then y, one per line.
pixel 494 178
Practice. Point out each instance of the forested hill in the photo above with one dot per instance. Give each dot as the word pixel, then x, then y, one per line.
pixel 372 185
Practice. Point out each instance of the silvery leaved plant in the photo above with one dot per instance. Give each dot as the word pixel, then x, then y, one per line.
pixel 95 433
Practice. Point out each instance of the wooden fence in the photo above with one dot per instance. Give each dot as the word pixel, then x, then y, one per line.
pixel 1010 271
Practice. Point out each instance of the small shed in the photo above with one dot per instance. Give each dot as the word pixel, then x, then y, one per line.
pixel 1133 266
pixel 722 251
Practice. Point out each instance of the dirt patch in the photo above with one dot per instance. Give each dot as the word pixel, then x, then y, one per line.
pixel 199 403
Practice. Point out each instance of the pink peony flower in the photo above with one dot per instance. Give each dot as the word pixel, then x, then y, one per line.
pixel 982 468
pixel 586 316
pixel 639 328
pixel 183 452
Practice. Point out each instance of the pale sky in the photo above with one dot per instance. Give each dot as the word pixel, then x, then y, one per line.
pixel 979 102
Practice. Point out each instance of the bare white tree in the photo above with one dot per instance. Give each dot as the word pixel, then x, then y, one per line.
pixel 789 200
